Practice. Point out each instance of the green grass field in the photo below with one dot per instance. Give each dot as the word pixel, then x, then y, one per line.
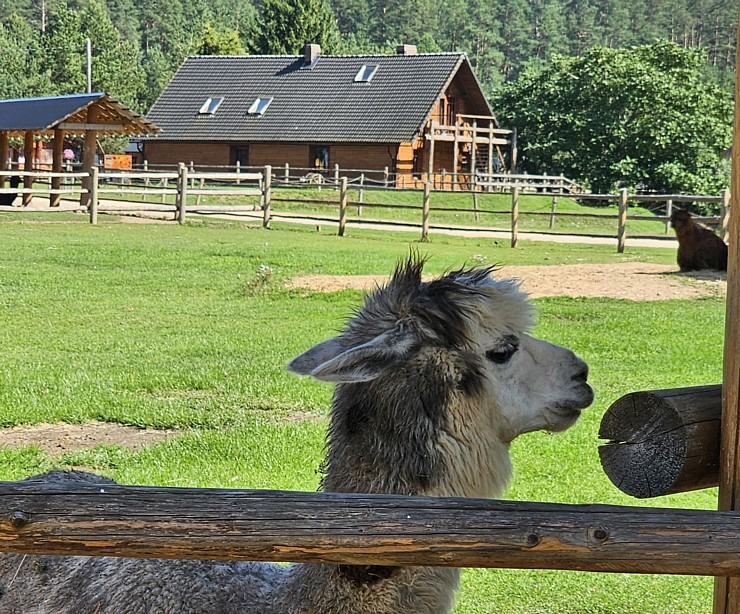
pixel 189 327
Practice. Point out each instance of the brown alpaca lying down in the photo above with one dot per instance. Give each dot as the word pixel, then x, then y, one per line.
pixel 698 247
pixel 7 199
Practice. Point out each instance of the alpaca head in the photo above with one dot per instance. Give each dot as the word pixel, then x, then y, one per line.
pixel 440 373
pixel 680 219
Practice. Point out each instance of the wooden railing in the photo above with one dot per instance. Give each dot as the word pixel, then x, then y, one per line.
pixel 354 529
pixel 186 191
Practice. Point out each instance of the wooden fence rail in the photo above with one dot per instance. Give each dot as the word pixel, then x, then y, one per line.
pixel 257 186
pixel 113 520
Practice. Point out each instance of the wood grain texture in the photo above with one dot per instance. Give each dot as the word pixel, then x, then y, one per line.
pixel 663 441
pixel 363 529
pixel 727 591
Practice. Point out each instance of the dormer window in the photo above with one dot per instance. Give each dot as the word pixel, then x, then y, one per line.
pixel 366 72
pixel 259 106
pixel 210 105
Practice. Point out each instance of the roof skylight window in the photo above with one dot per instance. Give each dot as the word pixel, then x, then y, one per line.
pixel 366 72
pixel 210 105
pixel 259 106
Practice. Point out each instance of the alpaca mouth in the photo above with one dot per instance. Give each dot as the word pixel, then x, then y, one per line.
pixel 567 412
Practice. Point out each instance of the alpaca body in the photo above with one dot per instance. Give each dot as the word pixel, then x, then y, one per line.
pixel 7 199
pixel 434 380
pixel 698 247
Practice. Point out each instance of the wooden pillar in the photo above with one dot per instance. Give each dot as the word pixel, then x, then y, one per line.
pixel 28 152
pixel 88 154
pixel 622 227
pixel 3 155
pixel 56 166
pixel 514 151
pixel 727 590
pixel 514 216
pixel 430 161
pixel 342 207
pixel 455 154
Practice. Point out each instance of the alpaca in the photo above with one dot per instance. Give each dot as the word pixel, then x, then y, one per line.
pixel 434 379
pixel 7 199
pixel 698 247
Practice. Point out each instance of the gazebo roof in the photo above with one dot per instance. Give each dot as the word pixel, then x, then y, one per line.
pixel 69 113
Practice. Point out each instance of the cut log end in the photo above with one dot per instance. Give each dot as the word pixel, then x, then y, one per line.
pixel 662 441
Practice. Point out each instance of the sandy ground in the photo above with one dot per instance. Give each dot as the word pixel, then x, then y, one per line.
pixel 634 281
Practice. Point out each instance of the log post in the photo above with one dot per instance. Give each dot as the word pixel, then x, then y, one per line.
pixel 182 196
pixel 430 160
pixel 663 441
pixel 553 209
pixel 622 228
pixel 28 154
pixel 724 222
pixel 93 206
pixel 56 167
pixel 88 153
pixel 266 196
pixel 342 206
pixel 4 143
pixel 425 213
pixel 514 215
pixel 727 590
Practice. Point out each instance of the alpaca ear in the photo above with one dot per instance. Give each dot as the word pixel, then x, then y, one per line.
pixel 333 361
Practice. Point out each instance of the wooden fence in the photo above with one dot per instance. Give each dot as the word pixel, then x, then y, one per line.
pixel 367 529
pixel 186 191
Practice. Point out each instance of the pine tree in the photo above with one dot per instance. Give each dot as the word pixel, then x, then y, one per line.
pixel 288 25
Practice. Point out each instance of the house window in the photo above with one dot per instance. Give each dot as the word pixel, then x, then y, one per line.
pixel 442 112
pixel 319 157
pixel 210 105
pixel 259 106
pixel 240 155
pixel 366 72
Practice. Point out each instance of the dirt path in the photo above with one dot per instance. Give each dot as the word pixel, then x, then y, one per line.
pixel 636 281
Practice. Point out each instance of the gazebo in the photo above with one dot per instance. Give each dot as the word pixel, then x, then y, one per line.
pixel 84 115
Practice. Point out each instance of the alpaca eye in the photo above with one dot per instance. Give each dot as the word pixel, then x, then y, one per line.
pixel 501 355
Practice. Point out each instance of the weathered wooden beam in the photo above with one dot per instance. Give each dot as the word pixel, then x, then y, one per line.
pixel 727 590
pixel 72 127
pixel 663 441
pixel 391 530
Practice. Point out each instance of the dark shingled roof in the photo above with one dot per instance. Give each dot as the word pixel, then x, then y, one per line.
pixel 321 103
pixel 41 115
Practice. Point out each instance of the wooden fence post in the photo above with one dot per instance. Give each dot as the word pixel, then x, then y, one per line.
pixel 724 221
pixel 287 173
pixel 553 207
pixel 336 174
pixel 668 213
pixel 727 590
pixel 342 206
pixel 622 229
pixel 93 205
pixel 182 193
pixel 425 213
pixel 514 215
pixel 266 196
pixel 361 193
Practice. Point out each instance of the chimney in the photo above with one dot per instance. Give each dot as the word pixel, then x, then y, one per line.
pixel 310 54
pixel 406 50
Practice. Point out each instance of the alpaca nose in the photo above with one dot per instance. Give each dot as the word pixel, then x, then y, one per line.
pixel 581 374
